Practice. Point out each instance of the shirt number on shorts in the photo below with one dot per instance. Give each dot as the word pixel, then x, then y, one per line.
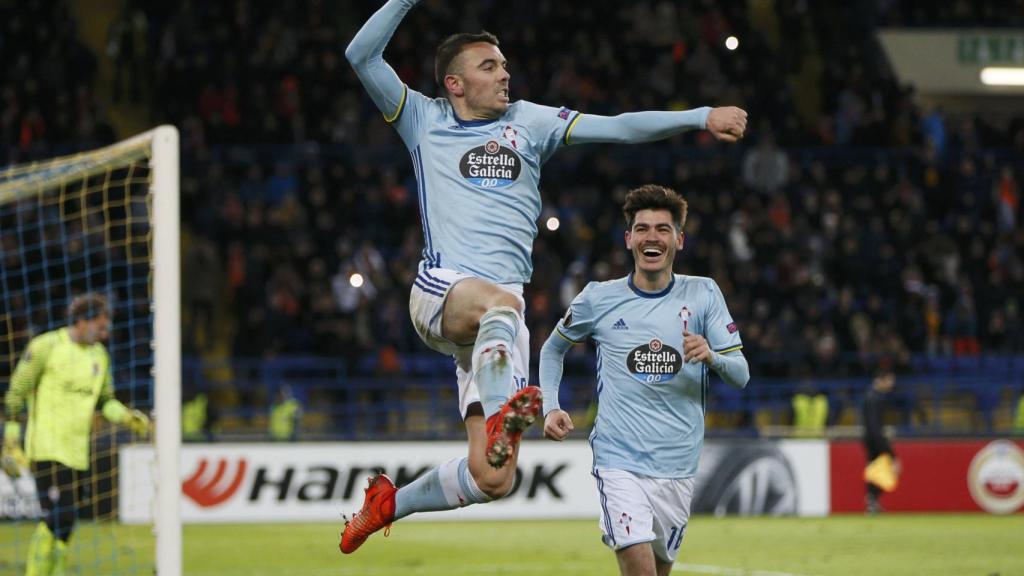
pixel 677 535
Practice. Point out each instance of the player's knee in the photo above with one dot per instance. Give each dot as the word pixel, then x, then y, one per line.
pixel 495 491
pixel 504 299
pixel 499 324
pixel 495 486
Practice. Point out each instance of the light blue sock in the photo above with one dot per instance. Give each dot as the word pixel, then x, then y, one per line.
pixel 492 356
pixel 446 487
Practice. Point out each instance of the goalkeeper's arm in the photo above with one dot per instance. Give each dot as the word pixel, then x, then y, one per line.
pixel 117 413
pixel 26 376
pixel 23 381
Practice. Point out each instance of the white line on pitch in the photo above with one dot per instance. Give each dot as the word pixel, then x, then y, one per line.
pixel 470 570
pixel 725 571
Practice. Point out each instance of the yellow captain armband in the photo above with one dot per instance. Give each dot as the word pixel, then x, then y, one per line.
pixel 564 337
pixel 401 106
pixel 568 131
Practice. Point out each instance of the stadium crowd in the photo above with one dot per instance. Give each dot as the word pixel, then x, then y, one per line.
pixel 852 223
pixel 48 103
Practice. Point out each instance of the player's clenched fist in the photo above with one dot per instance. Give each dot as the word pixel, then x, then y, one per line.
pixel 557 425
pixel 728 123
pixel 696 349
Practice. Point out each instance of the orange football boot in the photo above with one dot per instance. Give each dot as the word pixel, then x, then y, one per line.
pixel 505 428
pixel 378 512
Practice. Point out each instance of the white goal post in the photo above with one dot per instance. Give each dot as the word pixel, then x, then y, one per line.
pixel 167 359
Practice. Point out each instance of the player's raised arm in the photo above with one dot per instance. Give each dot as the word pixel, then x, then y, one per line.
pixel 727 124
pixel 366 54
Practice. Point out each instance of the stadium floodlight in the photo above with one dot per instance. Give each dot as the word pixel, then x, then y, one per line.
pixel 104 221
pixel 996 76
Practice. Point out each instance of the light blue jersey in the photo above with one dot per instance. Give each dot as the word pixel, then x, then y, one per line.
pixel 478 180
pixel 651 404
pixel 478 183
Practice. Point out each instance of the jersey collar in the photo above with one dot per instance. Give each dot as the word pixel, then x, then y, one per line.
pixel 642 294
pixel 472 123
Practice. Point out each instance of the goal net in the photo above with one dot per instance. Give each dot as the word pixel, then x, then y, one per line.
pixel 104 222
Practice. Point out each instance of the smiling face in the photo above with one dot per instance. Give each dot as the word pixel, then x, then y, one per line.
pixel 654 241
pixel 479 79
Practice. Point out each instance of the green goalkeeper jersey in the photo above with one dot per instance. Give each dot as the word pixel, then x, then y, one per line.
pixel 62 382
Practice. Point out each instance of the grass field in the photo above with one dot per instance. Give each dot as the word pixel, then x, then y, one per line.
pixel 960 545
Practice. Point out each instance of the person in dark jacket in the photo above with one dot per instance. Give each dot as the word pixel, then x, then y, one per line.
pixel 875 441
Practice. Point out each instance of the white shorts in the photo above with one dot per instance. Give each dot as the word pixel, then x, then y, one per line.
pixel 637 509
pixel 426 307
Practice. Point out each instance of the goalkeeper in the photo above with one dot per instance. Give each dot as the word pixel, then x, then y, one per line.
pixel 60 380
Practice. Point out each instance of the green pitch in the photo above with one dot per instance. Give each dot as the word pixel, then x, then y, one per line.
pixel 889 544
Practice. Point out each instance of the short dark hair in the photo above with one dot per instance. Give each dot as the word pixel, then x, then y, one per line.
pixel 452 46
pixel 88 306
pixel 654 197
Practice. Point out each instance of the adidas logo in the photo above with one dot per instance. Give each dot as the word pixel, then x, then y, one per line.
pixel 620 325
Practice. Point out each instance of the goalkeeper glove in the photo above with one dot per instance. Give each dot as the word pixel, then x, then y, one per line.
pixel 137 422
pixel 12 458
